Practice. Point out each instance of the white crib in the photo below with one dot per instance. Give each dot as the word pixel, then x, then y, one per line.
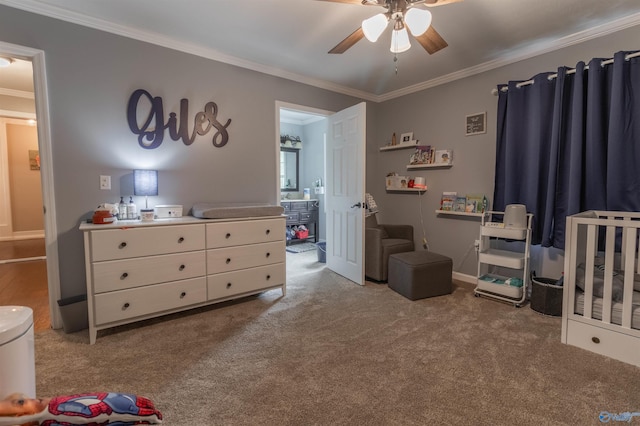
pixel 601 299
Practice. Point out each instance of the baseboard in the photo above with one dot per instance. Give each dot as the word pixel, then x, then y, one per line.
pixel 471 279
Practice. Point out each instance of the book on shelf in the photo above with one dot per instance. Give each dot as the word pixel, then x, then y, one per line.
pixel 460 204
pixel 476 203
pixel 443 156
pixel 421 155
pixel 448 201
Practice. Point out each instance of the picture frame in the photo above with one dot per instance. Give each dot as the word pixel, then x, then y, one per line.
pixel 406 137
pixel 476 124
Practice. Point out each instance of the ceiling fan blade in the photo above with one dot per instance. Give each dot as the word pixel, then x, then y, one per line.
pixel 431 41
pixel 352 39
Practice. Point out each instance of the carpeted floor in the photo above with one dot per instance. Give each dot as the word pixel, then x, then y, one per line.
pixel 335 353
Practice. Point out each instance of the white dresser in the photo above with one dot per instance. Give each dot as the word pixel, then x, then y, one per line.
pixel 138 270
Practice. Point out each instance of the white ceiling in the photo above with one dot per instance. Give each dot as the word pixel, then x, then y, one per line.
pixel 291 38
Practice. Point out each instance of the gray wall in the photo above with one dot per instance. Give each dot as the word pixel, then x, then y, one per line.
pixel 91 75
pixel 436 116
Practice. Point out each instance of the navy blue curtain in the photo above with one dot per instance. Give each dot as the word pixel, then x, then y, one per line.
pixel 570 143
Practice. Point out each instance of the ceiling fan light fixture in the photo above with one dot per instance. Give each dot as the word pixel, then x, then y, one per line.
pixel 400 41
pixel 373 27
pixel 418 20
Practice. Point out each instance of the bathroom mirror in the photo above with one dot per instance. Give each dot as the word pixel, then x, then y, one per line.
pixel 289 169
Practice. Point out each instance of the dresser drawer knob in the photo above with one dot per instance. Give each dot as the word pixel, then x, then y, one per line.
pixel 268 231
pixel 228 285
pixel 124 275
pixel 122 245
pixel 180 240
pixel 595 340
pixel 228 261
pixel 227 236
pixel 125 306
pixel 268 277
pixel 183 294
pixel 268 254
pixel 181 268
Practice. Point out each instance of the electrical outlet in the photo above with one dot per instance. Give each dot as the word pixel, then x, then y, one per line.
pixel 476 244
pixel 105 182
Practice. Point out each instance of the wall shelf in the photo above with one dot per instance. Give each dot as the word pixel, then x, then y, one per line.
pixel 399 146
pixel 429 166
pixel 406 189
pixel 453 213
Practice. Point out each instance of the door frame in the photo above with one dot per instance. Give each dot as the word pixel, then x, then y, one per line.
pixel 295 107
pixel 37 58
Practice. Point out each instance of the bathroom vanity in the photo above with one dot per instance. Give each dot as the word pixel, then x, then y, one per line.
pixel 302 212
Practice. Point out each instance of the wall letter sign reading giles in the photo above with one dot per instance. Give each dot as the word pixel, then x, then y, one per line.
pixel 151 138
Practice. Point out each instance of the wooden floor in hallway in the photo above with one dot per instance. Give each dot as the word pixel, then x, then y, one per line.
pixel 23 278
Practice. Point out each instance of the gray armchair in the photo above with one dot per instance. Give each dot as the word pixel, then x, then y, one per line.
pixel 381 241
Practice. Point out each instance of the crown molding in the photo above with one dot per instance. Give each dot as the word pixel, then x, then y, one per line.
pixel 161 40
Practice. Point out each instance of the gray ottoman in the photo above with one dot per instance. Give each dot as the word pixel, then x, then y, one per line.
pixel 420 274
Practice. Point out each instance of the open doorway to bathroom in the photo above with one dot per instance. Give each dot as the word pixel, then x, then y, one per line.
pixel 302 132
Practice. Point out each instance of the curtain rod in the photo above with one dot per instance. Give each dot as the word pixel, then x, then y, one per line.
pixel 494 91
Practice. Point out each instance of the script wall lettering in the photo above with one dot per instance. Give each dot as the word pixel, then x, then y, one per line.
pixel 151 132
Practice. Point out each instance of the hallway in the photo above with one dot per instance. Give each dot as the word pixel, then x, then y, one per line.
pixel 24 282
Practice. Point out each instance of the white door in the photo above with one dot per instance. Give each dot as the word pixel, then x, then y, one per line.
pixel 345 158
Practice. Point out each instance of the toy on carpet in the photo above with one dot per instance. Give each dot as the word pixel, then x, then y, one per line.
pixel 90 409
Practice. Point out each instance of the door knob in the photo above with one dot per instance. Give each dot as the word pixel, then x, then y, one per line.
pixel 356 205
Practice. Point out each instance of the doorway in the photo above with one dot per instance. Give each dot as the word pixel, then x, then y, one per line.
pixel 307 128
pixel 32 87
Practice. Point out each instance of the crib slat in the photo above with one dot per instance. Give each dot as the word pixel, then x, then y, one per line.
pixel 610 248
pixel 630 234
pixel 588 277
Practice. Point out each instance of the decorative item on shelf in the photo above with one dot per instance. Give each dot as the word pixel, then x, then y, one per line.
pixel 394 141
pixel 460 204
pixel 419 183
pixel 448 200
pixel 406 137
pixel 443 156
pixel 421 155
pixel 393 181
pixel 145 182
pixel 476 203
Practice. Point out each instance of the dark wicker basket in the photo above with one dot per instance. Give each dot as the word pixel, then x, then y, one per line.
pixel 546 297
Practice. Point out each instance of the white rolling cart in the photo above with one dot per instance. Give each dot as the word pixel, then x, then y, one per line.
pixel 504 254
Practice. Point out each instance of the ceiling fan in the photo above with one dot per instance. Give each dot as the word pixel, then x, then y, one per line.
pixel 402 14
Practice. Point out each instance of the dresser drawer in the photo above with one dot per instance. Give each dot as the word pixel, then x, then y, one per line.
pixel 125 304
pixel 286 207
pixel 308 217
pixel 241 257
pixel 227 234
pixel 293 218
pixel 124 243
pixel 129 273
pixel 238 282
pixel 299 205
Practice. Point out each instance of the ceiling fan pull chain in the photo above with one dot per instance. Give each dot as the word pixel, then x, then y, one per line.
pixel 395 61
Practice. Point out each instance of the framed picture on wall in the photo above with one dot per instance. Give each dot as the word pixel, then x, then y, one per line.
pixel 34 159
pixel 476 124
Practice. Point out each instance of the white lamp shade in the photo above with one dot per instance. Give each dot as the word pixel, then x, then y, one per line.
pixel 418 20
pixel 373 27
pixel 400 41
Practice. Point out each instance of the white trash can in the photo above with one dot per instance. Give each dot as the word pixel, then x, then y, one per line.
pixel 17 353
